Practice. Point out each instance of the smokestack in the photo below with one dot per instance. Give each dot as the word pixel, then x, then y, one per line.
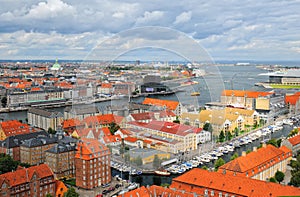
pixel 244 153
pixel 254 149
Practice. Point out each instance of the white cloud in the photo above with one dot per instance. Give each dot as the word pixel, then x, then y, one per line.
pixel 183 17
pixel 150 17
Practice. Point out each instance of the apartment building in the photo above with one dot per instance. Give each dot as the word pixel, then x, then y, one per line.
pixel 205 183
pixel 92 163
pixel 44 118
pixel 14 127
pixel 61 159
pixel 174 106
pixel 260 164
pixel 293 103
pixel 36 181
pixel 292 143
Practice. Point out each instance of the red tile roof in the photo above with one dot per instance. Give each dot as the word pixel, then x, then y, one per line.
pixel 143 116
pixel 155 190
pixel 14 127
pixel 253 159
pixel 103 119
pixel 192 180
pixel 171 105
pixel 168 127
pixel 71 123
pixel 60 188
pixel 294 140
pixel 245 93
pixel 130 139
pixel 112 139
pixel 89 148
pixel 292 99
pixel 24 175
pixel 106 85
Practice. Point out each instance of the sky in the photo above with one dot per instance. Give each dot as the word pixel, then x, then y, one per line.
pixel 219 30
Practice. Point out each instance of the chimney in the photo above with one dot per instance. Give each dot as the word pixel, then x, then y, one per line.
pixel 254 149
pixel 244 153
pixel 264 145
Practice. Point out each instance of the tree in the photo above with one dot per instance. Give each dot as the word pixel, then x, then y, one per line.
pixel 236 131
pixel 156 162
pixel 71 193
pixel 228 135
pixel 279 176
pixel 49 195
pixel 51 131
pixel 204 167
pixel 221 136
pixel 273 142
pixel 234 156
pixel 219 163
pixel 7 164
pixel 113 127
pixel 272 179
pixel 177 120
pixel 4 101
pixel 293 132
pixel 207 127
pixel 295 172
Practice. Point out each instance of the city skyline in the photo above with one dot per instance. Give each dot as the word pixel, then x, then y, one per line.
pixel 226 30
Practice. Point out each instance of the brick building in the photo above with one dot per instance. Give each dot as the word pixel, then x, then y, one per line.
pixel 11 145
pixel 36 181
pixel 260 164
pixel 61 159
pixel 92 163
pixel 14 127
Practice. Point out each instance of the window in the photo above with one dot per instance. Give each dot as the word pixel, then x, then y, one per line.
pixel 220 194
pixel 212 193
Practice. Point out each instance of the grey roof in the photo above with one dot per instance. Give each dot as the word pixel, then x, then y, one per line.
pixel 45 113
pixel 39 141
pixel 80 110
pixel 17 140
pixel 61 148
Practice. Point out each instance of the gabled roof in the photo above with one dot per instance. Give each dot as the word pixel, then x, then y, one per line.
pixel 90 148
pixel 24 175
pixel 245 93
pixel 168 127
pixel 112 139
pixel 71 123
pixel 292 99
pixel 294 140
pixel 143 116
pixel 14 127
pixel 240 186
pixel 253 159
pixel 103 119
pixel 171 105
pixel 60 188
pixel 130 139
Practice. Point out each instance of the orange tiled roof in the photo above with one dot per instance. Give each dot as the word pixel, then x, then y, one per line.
pixel 172 105
pixel 60 188
pixel 245 93
pixel 239 186
pixel 14 127
pixel 103 119
pixel 106 85
pixel 73 122
pixel 130 139
pixel 292 99
pixel 112 139
pixel 155 190
pixel 294 140
pixel 89 148
pixel 24 175
pixel 253 159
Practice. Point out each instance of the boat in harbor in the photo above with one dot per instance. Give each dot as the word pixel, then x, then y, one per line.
pixel 195 94
pixel 162 172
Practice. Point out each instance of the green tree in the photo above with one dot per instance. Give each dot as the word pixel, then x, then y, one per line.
pixel 273 142
pixel 248 151
pixel 177 120
pixel 7 164
pixel 49 195
pixel 113 127
pixel 204 167
pixel 219 163
pixel 279 142
pixel 207 127
pixel 295 172
pixel 236 131
pixel 228 135
pixel 51 131
pixel 71 193
pixel 221 136
pixel 234 156
pixel 279 176
pixel 273 180
pixel 4 101
pixel 293 132
pixel 156 162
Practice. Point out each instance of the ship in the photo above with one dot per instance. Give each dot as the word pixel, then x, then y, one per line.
pixel 195 94
pixel 162 172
